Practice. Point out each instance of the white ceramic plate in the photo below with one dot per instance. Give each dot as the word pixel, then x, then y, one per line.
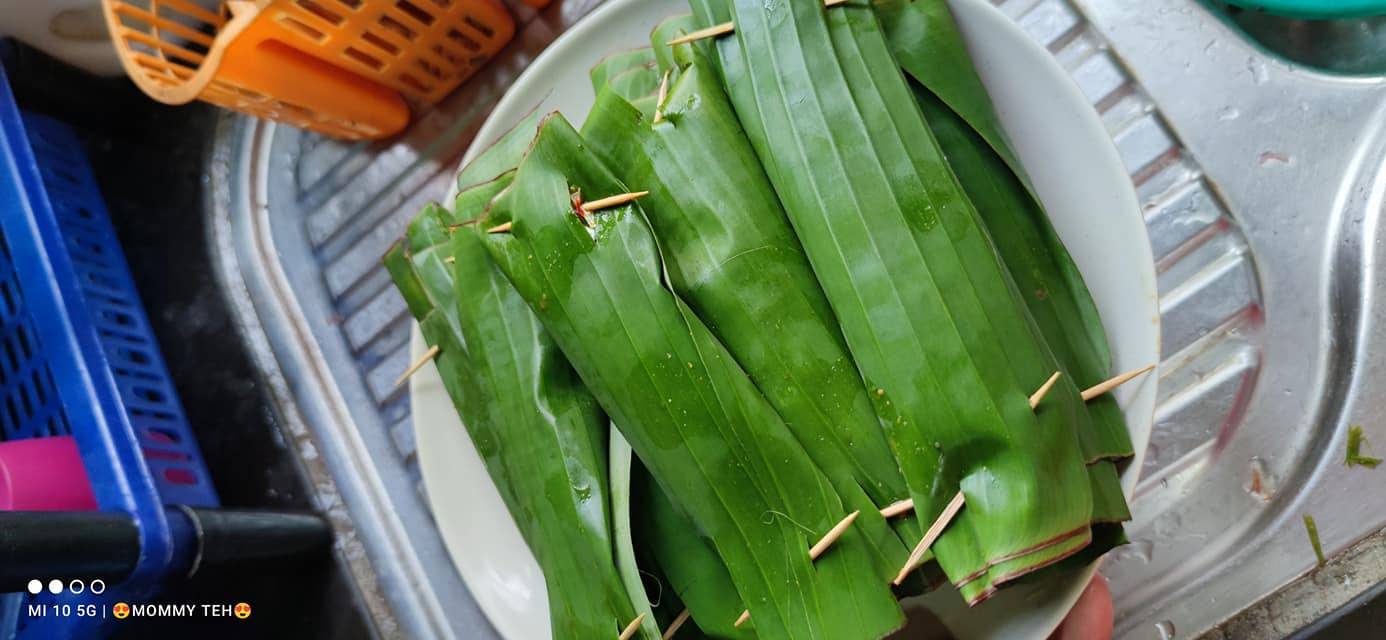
pixel 1079 176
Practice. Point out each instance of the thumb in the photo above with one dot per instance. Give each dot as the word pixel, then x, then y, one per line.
pixel 1091 617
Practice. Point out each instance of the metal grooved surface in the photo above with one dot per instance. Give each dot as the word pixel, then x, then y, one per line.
pixel 1209 296
pixel 1231 428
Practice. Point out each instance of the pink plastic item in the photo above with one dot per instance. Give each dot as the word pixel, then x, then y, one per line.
pixel 43 474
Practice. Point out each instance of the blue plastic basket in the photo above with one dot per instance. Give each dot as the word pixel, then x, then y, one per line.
pixel 76 352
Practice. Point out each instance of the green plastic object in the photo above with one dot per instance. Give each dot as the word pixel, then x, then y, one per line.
pixel 1316 8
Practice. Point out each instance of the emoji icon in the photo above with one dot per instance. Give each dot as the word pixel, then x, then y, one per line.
pixel 242 610
pixel 120 610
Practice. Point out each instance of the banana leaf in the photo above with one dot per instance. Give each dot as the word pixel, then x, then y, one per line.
pixel 731 255
pixel 635 83
pixel 1108 502
pixel 935 324
pixel 540 434
pixel 645 105
pixel 618 63
pixel 669 29
pixel 928 45
pixel 627 565
pixel 925 40
pixel 698 423
pixel 501 156
pixel 397 264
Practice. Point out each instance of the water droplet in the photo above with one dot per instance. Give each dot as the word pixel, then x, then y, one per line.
pixel 1260 484
pixel 1229 113
pixel 1168 526
pixel 1142 550
pixel 1166 629
pixel 1257 68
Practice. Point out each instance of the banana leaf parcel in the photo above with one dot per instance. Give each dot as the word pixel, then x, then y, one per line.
pixel 929 47
pixel 926 41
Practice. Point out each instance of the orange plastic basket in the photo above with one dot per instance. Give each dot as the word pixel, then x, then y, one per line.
pixel 339 67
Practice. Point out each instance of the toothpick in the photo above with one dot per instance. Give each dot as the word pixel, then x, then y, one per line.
pixel 663 93
pixel 935 530
pixel 1044 389
pixel 428 355
pixel 503 227
pixel 710 32
pixel 674 626
pixel 459 225
pixel 832 535
pixel 728 27
pixel 818 549
pixel 1103 387
pixel 895 509
pixel 605 203
pixel 629 631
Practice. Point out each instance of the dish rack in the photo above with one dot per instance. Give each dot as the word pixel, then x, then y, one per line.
pixel 78 359
pixel 338 67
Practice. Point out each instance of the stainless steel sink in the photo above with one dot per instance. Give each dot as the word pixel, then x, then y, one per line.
pixel 1262 189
